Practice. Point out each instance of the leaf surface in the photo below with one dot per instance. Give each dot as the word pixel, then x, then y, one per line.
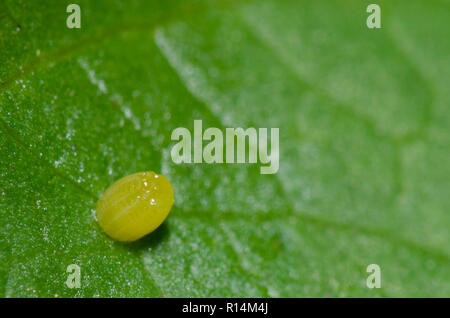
pixel 363 117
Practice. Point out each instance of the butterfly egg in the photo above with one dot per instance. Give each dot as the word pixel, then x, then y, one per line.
pixel 135 206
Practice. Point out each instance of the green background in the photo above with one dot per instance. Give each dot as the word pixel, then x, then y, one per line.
pixel 364 146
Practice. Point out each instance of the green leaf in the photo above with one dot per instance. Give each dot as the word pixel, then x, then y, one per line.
pixel 364 134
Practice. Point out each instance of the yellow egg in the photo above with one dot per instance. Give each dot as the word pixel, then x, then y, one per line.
pixel 135 206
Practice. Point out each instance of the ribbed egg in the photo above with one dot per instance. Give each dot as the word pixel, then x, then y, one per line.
pixel 135 206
